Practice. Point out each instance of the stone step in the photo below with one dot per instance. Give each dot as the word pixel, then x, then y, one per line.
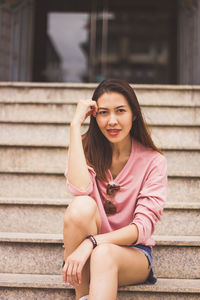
pixel 53 186
pixel 171 95
pixel 51 159
pixel 62 113
pixel 183 163
pixel 55 135
pixel 173 221
pixel 173 116
pixel 26 185
pixel 46 216
pixel 32 215
pixel 50 287
pixel 34 160
pixel 174 256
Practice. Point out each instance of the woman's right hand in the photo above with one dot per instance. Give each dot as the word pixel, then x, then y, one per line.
pixel 74 263
pixel 84 109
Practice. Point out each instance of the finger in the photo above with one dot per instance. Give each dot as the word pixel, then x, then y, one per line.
pixel 74 274
pixel 89 113
pixel 64 272
pixel 92 111
pixel 79 273
pixel 96 109
pixel 93 104
pixel 69 274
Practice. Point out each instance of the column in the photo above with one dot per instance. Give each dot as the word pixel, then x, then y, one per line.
pixel 189 42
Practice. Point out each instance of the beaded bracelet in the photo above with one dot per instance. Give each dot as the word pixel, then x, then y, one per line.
pixel 93 240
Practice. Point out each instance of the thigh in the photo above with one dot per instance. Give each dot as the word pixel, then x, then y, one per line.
pixel 132 264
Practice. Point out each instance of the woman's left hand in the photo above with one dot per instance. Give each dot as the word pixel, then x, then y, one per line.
pixel 75 262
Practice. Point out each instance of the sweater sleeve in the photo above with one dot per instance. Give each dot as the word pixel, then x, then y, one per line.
pixel 75 191
pixel 151 199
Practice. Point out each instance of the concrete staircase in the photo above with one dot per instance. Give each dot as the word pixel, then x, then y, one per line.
pixel 34 136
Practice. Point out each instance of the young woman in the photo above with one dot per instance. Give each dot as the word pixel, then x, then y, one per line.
pixel 119 180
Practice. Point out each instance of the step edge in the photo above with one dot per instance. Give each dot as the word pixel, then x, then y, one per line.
pixel 16 84
pixel 182 205
pixel 55 281
pixel 65 146
pixel 65 201
pixel 74 102
pixel 167 151
pixel 35 201
pixel 67 124
pixel 59 173
pixel 22 237
pixel 177 240
pixel 169 288
pixel 160 104
pixel 168 240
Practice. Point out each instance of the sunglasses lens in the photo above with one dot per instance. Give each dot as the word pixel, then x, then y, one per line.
pixel 112 188
pixel 109 207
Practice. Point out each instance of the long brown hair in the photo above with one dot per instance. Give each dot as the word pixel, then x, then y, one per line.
pixel 97 148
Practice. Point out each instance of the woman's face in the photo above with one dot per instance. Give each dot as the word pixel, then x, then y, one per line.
pixel 114 116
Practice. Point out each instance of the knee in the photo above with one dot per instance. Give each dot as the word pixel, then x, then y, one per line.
pixel 103 253
pixel 79 211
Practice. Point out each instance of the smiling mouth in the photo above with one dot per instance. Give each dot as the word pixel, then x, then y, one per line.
pixel 113 132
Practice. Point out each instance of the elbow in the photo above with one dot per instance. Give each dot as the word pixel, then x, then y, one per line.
pixel 79 190
pixel 145 230
pixel 84 189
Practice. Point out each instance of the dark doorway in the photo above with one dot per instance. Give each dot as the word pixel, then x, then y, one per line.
pixel 133 40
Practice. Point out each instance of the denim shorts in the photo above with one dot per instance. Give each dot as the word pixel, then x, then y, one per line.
pixel 148 252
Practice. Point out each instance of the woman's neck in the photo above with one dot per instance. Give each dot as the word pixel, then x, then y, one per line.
pixel 123 148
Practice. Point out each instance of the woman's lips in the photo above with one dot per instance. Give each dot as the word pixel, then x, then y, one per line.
pixel 113 132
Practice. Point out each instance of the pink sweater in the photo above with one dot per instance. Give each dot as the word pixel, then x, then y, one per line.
pixel 140 200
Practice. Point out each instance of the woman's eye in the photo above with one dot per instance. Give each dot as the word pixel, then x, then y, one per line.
pixel 121 110
pixel 102 112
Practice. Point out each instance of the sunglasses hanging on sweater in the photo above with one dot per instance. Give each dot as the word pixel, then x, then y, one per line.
pixel 111 190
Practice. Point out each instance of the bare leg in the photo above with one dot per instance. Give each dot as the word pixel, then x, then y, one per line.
pixel 121 266
pixel 81 219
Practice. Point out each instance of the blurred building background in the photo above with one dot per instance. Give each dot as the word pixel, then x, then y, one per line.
pixel 142 41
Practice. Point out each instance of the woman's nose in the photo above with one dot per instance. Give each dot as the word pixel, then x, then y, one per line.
pixel 112 119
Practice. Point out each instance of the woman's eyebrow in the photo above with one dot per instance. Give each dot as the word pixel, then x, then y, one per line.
pixel 103 108
pixel 114 107
pixel 121 106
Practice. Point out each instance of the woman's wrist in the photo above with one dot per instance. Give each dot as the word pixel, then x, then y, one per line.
pixel 88 243
pixel 92 239
pixel 100 238
pixel 75 124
